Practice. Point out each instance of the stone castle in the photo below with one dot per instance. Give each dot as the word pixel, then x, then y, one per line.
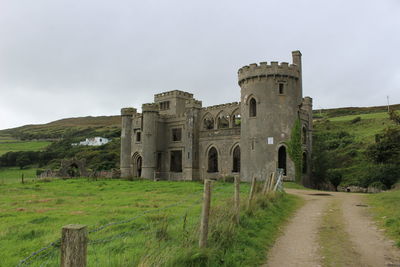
pixel 175 138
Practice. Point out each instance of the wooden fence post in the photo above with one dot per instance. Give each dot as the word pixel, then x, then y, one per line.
pixel 73 245
pixel 205 214
pixel 265 187
pixel 271 185
pixel 237 199
pixel 252 191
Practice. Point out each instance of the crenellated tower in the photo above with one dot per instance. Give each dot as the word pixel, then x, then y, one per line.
pixel 271 96
pixel 150 115
pixel 126 140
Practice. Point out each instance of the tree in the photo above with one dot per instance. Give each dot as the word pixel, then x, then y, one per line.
pixel 22 160
pixel 295 150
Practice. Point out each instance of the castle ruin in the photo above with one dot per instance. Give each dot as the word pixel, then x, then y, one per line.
pixel 175 138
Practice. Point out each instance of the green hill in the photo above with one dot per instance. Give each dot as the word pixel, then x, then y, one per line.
pixel 107 126
pixel 342 139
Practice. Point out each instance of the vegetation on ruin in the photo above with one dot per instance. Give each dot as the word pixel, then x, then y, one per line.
pixel 295 149
pixel 385 207
pixel 32 215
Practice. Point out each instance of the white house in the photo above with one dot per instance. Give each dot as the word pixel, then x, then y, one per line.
pixel 93 141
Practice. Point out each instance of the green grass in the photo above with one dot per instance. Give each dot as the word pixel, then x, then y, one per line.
pixel 32 216
pixel 379 115
pixel 386 210
pixel 14 174
pixel 7 146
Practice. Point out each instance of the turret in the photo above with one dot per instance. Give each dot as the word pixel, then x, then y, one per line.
pixel 270 99
pixel 150 122
pixel 126 137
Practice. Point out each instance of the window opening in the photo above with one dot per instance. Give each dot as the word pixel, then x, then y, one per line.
pixel 176 134
pixel 281 88
pixel 176 161
pixel 253 108
pixel 138 137
pixel 236 159
pixel 212 160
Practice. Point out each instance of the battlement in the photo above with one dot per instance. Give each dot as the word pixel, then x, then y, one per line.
pixel 264 70
pixel 150 107
pixel 221 106
pixel 193 103
pixel 128 111
pixel 174 93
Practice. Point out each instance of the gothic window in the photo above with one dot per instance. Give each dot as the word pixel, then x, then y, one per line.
pixel 281 88
pixel 176 161
pixel 208 123
pixel 304 136
pixel 223 121
pixel 236 159
pixel 212 160
pixel 236 119
pixel 176 134
pixel 282 159
pixel 253 108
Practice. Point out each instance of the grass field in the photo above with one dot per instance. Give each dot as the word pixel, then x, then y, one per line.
pixel 8 145
pixel 386 208
pixel 13 174
pixel 32 216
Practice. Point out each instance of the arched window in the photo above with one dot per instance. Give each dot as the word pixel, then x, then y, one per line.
pixel 304 136
pixel 253 107
pixel 236 159
pixel 212 160
pixel 304 162
pixel 236 119
pixel 282 159
pixel 223 121
pixel 208 123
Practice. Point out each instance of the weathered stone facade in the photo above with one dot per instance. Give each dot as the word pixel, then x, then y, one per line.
pixel 176 138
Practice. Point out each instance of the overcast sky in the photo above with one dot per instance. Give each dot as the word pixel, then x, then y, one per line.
pixel 69 58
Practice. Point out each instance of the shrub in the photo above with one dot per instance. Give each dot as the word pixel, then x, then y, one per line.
pixel 355 120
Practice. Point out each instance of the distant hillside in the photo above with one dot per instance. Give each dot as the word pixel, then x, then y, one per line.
pixel 107 126
pixel 336 112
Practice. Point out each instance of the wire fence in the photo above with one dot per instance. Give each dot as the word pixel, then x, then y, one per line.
pixel 142 237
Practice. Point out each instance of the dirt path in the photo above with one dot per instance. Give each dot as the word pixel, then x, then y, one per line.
pixel 299 244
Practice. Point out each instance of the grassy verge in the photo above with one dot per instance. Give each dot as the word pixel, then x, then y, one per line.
pixel 336 248
pixel 385 207
pixel 293 185
pixel 152 223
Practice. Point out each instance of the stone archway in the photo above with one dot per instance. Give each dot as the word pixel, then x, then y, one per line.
pixel 73 168
pixel 137 165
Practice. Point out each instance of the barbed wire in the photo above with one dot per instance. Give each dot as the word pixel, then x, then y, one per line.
pixel 34 254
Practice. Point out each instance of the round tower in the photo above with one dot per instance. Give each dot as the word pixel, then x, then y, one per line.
pixel 271 95
pixel 150 122
pixel 126 138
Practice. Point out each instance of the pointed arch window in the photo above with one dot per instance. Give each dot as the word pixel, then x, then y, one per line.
pixel 236 159
pixel 304 136
pixel 212 160
pixel 253 107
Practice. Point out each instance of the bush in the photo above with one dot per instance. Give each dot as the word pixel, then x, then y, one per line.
pixel 355 120
pixel 334 176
